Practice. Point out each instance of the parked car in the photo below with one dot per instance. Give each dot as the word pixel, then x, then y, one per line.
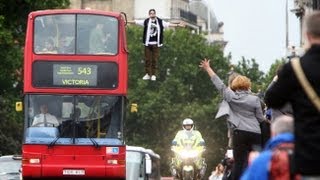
pixel 10 166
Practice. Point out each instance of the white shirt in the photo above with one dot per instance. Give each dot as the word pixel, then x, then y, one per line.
pixel 39 120
pixel 141 23
pixel 216 177
pixel 153 29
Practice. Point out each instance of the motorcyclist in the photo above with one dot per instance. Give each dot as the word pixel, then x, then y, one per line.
pixel 190 138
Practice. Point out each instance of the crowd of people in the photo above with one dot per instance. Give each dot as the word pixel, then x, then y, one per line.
pixel 292 107
pixel 274 136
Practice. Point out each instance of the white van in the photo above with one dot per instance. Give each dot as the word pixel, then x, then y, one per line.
pixel 142 164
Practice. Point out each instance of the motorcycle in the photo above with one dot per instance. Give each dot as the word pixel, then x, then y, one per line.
pixel 188 163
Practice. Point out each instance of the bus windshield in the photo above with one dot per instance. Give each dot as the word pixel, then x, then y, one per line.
pixel 75 34
pixel 72 116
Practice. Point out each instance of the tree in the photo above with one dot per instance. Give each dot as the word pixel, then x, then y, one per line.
pixel 12 35
pixel 10 126
pixel 182 90
pixel 13 20
pixel 273 71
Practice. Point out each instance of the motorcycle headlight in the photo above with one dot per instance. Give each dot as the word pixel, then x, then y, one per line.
pixel 188 154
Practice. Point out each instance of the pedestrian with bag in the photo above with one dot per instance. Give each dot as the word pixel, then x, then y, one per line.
pixel 274 161
pixel 298 83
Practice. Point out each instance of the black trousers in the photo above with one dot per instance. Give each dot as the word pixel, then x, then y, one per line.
pixel 243 141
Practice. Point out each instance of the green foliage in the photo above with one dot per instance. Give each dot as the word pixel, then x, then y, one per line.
pixel 10 126
pixel 273 71
pixel 13 19
pixel 182 90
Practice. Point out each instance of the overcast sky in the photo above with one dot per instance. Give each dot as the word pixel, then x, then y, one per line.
pixel 256 29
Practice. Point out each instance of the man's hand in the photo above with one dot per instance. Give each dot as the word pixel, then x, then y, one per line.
pixel 131 22
pixel 182 24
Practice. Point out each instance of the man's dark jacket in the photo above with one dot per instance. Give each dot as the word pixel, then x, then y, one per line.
pixel 307 117
pixel 145 29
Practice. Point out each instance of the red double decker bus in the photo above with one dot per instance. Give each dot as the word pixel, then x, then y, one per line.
pixel 75 86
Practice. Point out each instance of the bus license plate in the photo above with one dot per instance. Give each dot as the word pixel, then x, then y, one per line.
pixel 73 172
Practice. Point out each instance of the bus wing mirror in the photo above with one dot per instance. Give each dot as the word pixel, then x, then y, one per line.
pixel 148 164
pixel 18 106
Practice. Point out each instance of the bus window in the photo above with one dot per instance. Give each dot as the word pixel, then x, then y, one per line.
pixel 90 116
pixel 58 30
pixel 75 34
pixel 103 118
pixel 101 33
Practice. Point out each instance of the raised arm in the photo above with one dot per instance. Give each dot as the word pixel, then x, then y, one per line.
pixel 205 65
pixel 226 92
pixel 180 24
pixel 170 24
pixel 137 22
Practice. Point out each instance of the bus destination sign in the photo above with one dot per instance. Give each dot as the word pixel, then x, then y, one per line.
pixel 74 75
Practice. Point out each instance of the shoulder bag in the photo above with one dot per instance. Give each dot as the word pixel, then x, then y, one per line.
pixel 314 98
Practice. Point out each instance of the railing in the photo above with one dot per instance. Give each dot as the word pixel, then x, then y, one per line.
pixel 192 18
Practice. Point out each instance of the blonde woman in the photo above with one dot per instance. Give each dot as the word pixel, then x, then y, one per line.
pixel 245 113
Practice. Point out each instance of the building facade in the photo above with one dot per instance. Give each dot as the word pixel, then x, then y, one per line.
pixel 194 13
pixel 302 8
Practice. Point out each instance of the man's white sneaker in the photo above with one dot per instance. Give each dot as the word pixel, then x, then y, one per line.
pixel 153 78
pixel 146 77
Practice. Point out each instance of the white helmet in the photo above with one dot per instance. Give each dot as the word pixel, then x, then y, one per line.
pixel 187 122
